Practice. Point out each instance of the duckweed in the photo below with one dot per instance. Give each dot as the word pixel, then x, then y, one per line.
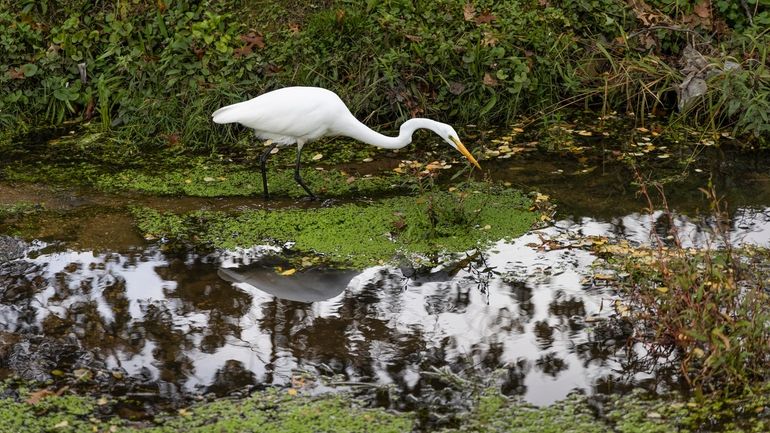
pixel 360 234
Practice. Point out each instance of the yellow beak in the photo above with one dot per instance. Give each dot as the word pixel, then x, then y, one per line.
pixel 465 152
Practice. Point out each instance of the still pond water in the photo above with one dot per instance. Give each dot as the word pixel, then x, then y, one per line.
pixel 221 322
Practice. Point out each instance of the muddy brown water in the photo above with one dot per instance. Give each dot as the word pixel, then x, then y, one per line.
pixel 224 322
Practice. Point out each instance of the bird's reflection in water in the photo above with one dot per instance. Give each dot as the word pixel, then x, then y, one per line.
pixel 309 285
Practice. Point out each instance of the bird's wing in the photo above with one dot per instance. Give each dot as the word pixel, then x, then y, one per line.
pixel 294 112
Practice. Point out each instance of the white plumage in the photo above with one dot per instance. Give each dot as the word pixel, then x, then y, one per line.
pixel 297 115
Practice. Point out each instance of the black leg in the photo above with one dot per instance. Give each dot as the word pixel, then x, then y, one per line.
pixel 263 167
pixel 298 178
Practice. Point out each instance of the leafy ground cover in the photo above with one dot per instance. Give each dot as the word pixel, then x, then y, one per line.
pixel 295 412
pixel 148 74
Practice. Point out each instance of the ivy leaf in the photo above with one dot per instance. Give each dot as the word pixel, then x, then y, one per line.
pixel 29 69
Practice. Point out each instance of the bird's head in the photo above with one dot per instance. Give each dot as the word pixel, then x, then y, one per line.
pixel 450 136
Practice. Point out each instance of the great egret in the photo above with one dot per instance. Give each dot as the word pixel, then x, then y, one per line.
pixel 298 115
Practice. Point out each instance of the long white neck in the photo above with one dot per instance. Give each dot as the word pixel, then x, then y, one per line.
pixel 352 128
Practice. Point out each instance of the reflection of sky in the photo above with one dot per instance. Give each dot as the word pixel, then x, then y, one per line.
pixel 507 316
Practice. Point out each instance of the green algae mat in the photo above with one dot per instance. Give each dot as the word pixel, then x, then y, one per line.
pixel 358 234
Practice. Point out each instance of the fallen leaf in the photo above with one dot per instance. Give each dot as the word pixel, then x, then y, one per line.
pixel 489 80
pixel 456 88
pixel 35 397
pixel 288 272
pixel 489 40
pixel 485 18
pixel 703 9
pixel 469 12
pixel 292 392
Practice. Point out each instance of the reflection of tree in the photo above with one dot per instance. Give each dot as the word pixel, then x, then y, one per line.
pixel 522 294
pixel 513 382
pixel 230 377
pixel 568 310
pixel 20 282
pixel 551 364
pixel 543 334
pixel 198 288
pixel 170 343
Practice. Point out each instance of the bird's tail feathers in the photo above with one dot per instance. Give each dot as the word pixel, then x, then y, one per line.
pixel 228 114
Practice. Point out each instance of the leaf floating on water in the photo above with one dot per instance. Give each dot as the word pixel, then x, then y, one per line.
pixel 35 397
pixel 288 272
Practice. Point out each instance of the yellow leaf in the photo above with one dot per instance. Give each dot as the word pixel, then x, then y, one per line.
pixel 662 289
pixel 292 392
pixel 288 272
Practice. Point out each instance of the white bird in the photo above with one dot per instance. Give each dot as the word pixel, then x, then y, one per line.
pixel 298 115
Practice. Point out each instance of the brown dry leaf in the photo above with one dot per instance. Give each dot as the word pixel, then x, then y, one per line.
pixel 489 40
pixel 413 38
pixel 489 80
pixel 456 88
pixel 703 9
pixel 16 73
pixel 254 39
pixel 35 397
pixel 485 18
pixel 294 28
pixel 469 12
